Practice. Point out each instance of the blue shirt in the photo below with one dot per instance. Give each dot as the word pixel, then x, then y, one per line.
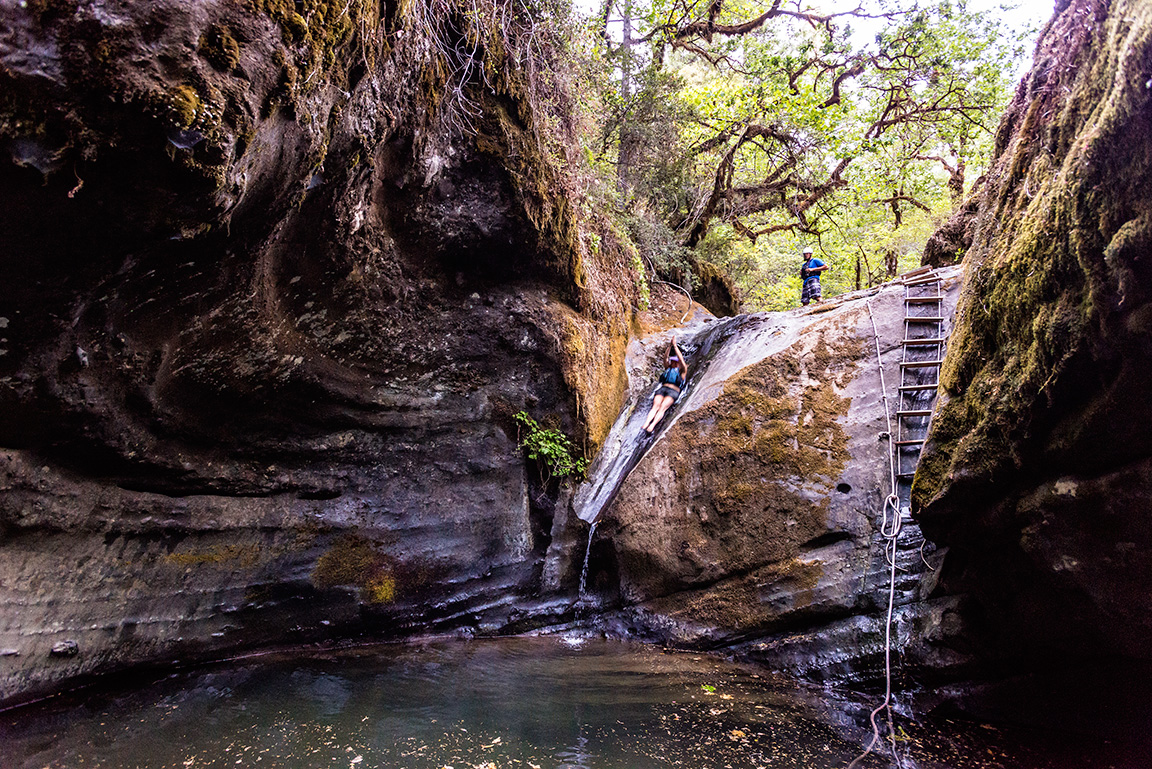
pixel 811 264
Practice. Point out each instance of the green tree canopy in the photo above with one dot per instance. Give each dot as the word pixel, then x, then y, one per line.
pixel 788 118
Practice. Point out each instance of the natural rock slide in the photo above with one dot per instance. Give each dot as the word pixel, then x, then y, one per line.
pixel 755 509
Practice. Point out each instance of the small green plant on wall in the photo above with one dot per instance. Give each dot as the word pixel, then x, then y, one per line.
pixel 554 453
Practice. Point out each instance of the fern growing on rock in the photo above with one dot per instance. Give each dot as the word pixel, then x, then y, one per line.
pixel 555 455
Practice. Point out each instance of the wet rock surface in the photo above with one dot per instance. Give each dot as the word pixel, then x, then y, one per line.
pixel 753 517
pixel 1037 474
pixel 267 316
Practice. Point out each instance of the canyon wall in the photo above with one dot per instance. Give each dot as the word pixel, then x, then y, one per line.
pixel 1037 477
pixel 277 276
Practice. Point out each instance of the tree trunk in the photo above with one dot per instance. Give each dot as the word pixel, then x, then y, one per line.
pixel 956 176
pixel 628 159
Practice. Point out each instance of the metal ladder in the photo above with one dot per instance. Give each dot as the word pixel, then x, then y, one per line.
pixel 923 351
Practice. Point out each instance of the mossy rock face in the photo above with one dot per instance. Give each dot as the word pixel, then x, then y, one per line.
pixel 316 30
pixel 1041 374
pixel 355 561
pixel 949 244
pixel 224 318
pixel 220 47
pixel 1056 269
pixel 185 105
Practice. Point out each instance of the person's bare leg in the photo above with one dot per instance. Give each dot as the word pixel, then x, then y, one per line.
pixel 656 421
pixel 650 419
pixel 659 408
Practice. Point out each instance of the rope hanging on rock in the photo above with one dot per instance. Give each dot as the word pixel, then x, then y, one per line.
pixel 673 285
pixel 890 530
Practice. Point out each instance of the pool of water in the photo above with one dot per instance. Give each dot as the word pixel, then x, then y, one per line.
pixel 530 703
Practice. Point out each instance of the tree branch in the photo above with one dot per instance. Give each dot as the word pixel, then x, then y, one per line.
pixel 903 198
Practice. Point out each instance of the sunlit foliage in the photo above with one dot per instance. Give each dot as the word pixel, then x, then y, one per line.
pixel 752 128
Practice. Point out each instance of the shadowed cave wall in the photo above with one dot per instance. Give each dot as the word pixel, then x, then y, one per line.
pixel 276 277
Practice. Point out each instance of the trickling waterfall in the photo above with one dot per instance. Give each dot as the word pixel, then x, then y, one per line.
pixel 584 571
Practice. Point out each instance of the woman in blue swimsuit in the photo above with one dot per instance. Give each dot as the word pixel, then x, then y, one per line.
pixel 671 382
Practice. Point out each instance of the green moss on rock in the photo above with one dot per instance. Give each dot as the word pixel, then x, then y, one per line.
pixel 355 561
pixel 184 105
pixel 1041 323
pixel 764 430
pixel 220 47
pixel 317 30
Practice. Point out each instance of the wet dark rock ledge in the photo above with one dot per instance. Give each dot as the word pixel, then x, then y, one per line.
pixel 267 313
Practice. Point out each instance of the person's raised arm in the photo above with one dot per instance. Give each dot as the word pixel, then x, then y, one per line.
pixel 681 363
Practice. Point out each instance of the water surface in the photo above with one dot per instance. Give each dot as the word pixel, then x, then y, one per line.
pixel 524 702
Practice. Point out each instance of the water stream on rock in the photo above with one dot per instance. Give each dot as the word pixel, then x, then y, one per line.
pixel 549 702
pixel 584 571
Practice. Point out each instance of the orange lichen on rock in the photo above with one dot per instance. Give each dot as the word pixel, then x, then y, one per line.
pixel 591 356
pixel 355 561
pixel 221 556
pixel 750 479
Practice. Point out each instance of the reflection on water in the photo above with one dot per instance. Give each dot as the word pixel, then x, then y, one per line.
pixel 482 704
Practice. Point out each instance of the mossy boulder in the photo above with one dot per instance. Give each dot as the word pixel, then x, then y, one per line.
pixel 756 511
pixel 1043 439
pixel 949 244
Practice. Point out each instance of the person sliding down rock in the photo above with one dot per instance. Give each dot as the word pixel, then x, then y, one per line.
pixel 671 382
pixel 810 274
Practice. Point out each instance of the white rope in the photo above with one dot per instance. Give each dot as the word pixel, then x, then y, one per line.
pixel 890 530
pixel 673 285
pixel 923 557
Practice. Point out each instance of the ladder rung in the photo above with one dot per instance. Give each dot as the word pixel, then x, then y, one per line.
pixel 923 299
pixel 914 319
pixel 906 475
pixel 922 281
pixel 908 443
pixel 915 413
pixel 918 272
pixel 910 342
pixel 913 388
pixel 919 363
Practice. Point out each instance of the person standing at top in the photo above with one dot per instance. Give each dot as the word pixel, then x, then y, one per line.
pixel 810 274
pixel 671 383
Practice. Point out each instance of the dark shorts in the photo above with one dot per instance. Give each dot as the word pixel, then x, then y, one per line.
pixel 665 390
pixel 811 290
